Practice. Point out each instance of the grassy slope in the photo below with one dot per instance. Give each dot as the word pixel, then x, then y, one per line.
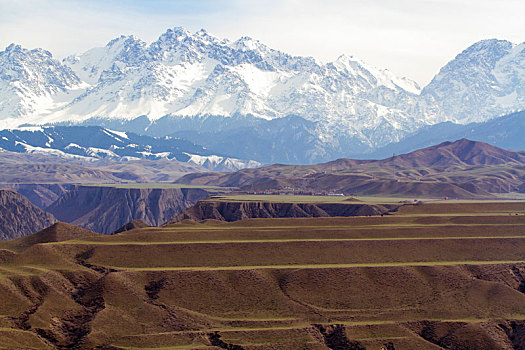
pixel 259 282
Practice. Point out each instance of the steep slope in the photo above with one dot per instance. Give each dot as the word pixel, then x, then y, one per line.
pixel 18 217
pixel 32 81
pixel 484 81
pixel 233 210
pixel 106 209
pixel 41 195
pixel 504 132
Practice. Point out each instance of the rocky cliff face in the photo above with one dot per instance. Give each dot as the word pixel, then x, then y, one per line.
pixel 105 209
pixel 233 211
pixel 41 195
pixel 19 217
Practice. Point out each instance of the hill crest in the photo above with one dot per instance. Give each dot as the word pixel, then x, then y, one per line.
pixel 462 169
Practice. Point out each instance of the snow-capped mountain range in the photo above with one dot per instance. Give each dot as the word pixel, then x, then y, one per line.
pixel 93 143
pixel 206 89
pixel 485 81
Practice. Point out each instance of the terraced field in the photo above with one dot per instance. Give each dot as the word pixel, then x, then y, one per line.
pixel 440 275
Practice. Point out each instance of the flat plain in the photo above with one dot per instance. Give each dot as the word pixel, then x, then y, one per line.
pixel 441 275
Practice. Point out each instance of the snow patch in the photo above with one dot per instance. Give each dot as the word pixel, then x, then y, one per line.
pixel 214 162
pixel 121 134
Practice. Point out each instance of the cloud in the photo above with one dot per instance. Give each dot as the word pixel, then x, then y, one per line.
pixel 413 38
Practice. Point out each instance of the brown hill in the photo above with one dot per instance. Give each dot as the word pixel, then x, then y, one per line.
pixel 57 232
pixel 235 210
pixel 133 224
pixel 19 217
pixel 463 169
pixel 45 168
pixel 459 153
pixel 60 173
pixel 427 277
pixel 106 209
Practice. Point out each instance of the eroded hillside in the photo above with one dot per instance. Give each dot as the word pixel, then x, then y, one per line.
pixel 433 276
pixel 105 209
pixel 19 217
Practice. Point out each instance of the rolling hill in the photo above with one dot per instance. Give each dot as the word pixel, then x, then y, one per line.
pixel 463 169
pixel 428 277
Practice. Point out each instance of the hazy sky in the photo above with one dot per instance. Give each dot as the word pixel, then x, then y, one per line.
pixel 413 38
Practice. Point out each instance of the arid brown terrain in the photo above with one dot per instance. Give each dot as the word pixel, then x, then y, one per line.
pixel 35 168
pixel 225 210
pixel 445 275
pixel 461 169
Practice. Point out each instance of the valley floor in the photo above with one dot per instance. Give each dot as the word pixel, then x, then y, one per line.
pixel 439 275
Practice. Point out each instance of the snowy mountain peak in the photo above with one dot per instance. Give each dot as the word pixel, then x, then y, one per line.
pixel 185 74
pixel 375 77
pixel 13 48
pixel 484 53
pixel 126 50
pixel 178 44
pixel 246 43
pixel 122 40
pixel 483 82
pixel 29 79
pixel 488 46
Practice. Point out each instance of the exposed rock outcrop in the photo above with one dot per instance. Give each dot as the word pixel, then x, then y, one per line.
pixel 42 195
pixel 335 338
pixel 106 209
pixel 133 224
pixel 233 211
pixel 19 217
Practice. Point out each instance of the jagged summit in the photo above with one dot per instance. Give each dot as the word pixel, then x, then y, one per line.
pixel 482 82
pixel 30 80
pixel 195 74
pixel 351 104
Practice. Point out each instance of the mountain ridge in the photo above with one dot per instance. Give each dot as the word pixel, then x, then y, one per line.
pixel 92 143
pixel 351 107
pixel 462 169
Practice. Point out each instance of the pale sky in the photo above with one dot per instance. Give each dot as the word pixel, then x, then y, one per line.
pixel 412 38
